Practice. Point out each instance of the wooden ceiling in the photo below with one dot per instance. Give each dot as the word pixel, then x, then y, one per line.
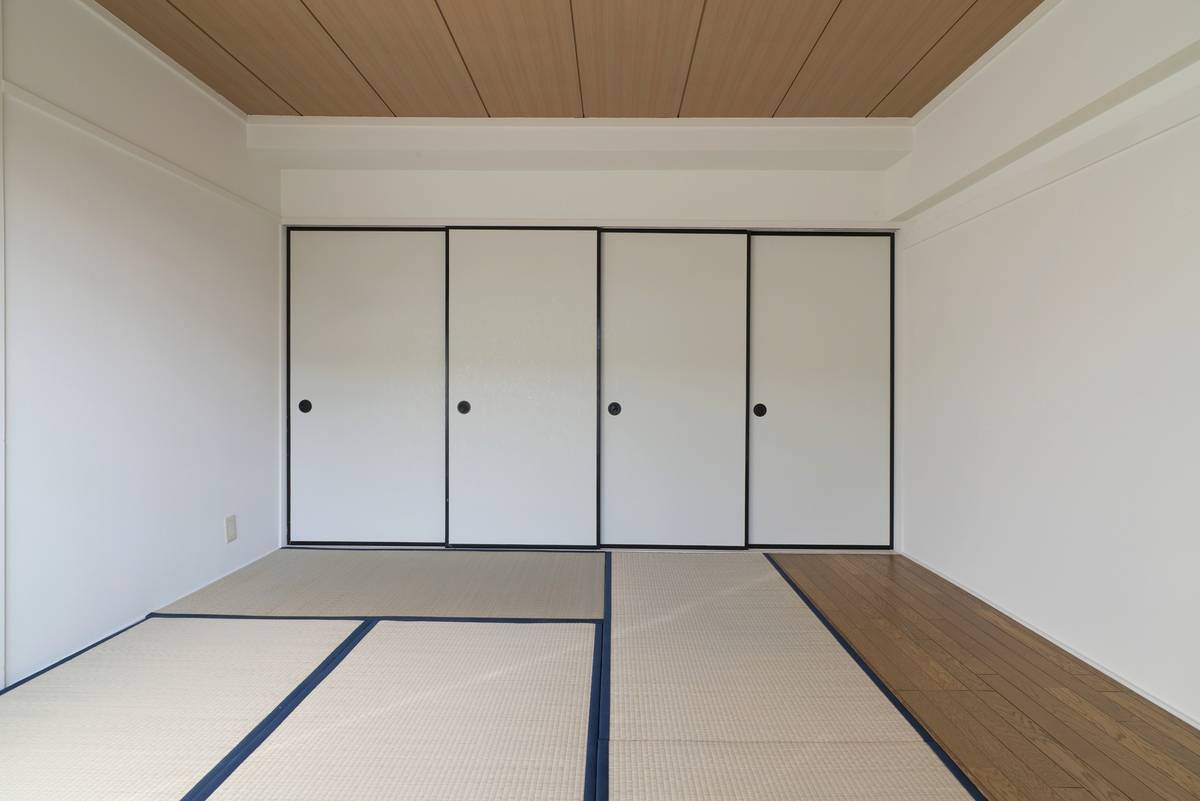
pixel 575 58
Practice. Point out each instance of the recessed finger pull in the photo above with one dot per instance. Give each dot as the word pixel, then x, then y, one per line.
pixel 305 406
pixel 760 410
pixel 464 407
pixel 614 408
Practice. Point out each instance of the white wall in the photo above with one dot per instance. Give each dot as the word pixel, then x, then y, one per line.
pixel 611 197
pixel 1077 58
pixel 3 393
pixel 143 349
pixel 74 55
pixel 785 173
pixel 1049 349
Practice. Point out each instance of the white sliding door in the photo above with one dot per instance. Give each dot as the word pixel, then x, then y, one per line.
pixel 522 387
pixel 674 359
pixel 820 364
pixel 367 386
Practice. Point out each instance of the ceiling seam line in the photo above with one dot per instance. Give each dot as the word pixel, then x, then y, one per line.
pixel 461 57
pixel 341 50
pixel 578 73
pixel 687 76
pixel 229 53
pixel 807 56
pixel 917 63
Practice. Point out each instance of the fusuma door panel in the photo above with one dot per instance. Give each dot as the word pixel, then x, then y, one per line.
pixel 522 361
pixel 674 359
pixel 366 386
pixel 820 365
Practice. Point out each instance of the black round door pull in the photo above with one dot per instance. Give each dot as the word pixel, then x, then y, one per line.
pixel 463 407
pixel 760 410
pixel 306 406
pixel 614 408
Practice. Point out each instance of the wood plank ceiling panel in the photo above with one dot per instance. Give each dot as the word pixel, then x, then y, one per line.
pixel 634 55
pixel 570 58
pixel 521 54
pixel 166 28
pixel 748 52
pixel 405 50
pixel 868 48
pixel 985 23
pixel 285 46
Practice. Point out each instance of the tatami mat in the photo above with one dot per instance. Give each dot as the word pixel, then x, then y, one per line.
pixel 146 714
pixel 723 685
pixel 717 664
pixel 410 583
pixel 708 771
pixel 428 711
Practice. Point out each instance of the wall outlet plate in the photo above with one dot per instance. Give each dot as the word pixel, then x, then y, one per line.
pixel 231 528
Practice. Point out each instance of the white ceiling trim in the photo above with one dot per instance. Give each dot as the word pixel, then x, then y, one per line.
pixel 121 27
pixel 579 144
pixel 980 63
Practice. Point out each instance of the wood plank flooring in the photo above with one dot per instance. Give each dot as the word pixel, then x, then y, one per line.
pixel 1023 718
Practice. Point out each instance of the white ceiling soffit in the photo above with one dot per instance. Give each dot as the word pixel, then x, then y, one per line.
pixel 583 144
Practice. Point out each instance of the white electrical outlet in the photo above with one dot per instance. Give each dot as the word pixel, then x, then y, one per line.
pixel 231 528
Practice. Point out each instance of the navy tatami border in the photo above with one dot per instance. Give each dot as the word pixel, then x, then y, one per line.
pixel 596 759
pixel 596 755
pixel 213 779
pixel 601 772
pixel 950 764
pixel 396 618
pixel 593 740
pixel 68 658
pixel 438 547
pixel 580 549
pixel 378 618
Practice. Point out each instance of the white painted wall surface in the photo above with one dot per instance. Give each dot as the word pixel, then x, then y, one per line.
pixel 610 197
pixel 1048 383
pixel 591 143
pixel 1073 56
pixel 3 328
pixel 74 55
pixel 143 347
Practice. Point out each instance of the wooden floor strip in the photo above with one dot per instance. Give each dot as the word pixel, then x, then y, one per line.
pixel 1021 717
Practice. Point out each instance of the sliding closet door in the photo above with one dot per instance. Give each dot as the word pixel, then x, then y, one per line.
pixel 367 386
pixel 522 387
pixel 820 380
pixel 674 389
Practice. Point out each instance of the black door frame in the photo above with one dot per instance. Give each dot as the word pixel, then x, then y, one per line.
pixel 749 233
